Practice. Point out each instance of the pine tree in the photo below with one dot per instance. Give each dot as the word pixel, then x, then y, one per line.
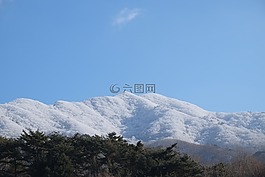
pixel 35 154
pixel 34 147
pixel 59 163
pixel 11 159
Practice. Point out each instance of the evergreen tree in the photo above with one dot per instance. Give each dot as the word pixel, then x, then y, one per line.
pixel 11 159
pixel 34 147
pixel 59 163
pixel 35 154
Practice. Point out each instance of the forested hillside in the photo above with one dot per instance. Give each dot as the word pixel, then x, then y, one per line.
pixel 35 154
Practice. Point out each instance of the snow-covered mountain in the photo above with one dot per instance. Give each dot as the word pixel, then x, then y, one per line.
pixel 141 117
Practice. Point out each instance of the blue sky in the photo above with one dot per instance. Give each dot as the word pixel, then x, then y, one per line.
pixel 210 53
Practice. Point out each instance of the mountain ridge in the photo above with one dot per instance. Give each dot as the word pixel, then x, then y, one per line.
pixel 146 117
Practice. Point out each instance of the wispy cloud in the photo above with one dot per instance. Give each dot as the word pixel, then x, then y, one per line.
pixel 126 15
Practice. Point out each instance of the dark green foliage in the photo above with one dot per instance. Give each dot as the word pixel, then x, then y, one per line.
pixel 168 162
pixel 11 158
pixel 34 148
pixel 58 157
pixel 35 154
pixel 217 170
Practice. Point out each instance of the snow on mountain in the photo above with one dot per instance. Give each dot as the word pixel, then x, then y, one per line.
pixel 142 117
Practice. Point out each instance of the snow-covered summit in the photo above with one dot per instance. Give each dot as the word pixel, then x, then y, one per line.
pixel 143 117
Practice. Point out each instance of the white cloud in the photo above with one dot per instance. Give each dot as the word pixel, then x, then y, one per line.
pixel 126 15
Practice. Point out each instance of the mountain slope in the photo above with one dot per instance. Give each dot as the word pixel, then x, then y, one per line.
pixel 145 117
